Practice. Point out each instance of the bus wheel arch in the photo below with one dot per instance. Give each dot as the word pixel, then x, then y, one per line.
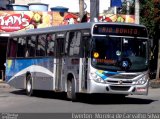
pixel 71 87
pixel 29 84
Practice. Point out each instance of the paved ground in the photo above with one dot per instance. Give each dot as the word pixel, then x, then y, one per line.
pixel 14 100
pixel 3 85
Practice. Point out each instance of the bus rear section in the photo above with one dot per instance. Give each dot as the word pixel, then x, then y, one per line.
pixel 30 62
pixel 119 59
pixel 3 49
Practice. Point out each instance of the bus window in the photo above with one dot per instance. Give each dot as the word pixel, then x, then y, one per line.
pixel 31 44
pixel 66 50
pixel 41 45
pixel 85 46
pixel 77 43
pixel 12 47
pixel 21 46
pixel 50 44
pixel 73 43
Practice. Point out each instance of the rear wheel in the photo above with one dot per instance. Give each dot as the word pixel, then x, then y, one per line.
pixel 29 87
pixel 71 94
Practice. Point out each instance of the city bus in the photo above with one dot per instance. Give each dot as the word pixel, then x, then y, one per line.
pixel 91 58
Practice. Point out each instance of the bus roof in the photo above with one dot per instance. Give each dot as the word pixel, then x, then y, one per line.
pixel 60 28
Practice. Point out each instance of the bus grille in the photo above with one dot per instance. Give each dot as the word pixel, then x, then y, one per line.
pixel 125 76
pixel 120 88
pixel 116 82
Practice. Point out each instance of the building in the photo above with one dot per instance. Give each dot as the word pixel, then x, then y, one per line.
pixel 104 4
pixel 3 4
pixel 25 2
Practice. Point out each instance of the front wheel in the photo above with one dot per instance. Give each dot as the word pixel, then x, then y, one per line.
pixel 71 94
pixel 29 87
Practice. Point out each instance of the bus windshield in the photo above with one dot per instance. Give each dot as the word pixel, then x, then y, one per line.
pixel 119 53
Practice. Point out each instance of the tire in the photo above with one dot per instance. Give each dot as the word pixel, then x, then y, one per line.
pixel 71 94
pixel 29 87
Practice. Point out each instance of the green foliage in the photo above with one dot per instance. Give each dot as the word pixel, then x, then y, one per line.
pixel 147 16
pixel 150 15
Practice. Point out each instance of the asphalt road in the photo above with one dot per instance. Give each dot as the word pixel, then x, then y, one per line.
pixel 13 100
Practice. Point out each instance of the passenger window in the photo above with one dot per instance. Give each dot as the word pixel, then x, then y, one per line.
pixel 77 43
pixel 31 44
pixel 21 47
pixel 73 43
pixel 67 44
pixel 50 44
pixel 12 48
pixel 41 45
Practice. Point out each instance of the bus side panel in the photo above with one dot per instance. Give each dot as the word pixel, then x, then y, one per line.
pixel 17 81
pixel 42 81
pixel 16 70
pixel 70 66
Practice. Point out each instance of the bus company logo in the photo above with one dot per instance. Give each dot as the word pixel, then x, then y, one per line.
pixel 120 82
pixel 14 22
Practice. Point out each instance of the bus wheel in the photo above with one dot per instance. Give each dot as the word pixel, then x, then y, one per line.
pixel 71 94
pixel 29 89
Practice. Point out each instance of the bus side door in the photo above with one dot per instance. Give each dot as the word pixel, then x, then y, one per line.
pixel 59 58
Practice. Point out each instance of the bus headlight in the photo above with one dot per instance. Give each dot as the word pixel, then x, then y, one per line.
pixel 142 80
pixel 96 78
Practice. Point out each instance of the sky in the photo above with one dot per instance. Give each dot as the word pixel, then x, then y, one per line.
pixel 73 5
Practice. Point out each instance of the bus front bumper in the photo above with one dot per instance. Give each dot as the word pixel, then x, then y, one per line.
pixel 94 87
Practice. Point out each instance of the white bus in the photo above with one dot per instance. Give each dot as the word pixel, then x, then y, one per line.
pixel 108 58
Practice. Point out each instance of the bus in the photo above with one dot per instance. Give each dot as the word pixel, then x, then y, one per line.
pixel 91 58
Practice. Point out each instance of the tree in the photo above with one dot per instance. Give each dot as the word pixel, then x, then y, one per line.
pixel 157 31
pixel 150 17
pixel 147 15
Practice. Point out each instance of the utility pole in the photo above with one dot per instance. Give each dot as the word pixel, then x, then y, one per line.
pixel 81 9
pixel 94 9
pixel 136 11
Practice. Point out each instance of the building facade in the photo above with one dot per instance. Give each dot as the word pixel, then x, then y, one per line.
pixel 25 2
pixel 3 4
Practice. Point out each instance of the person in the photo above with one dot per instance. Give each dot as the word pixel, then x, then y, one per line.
pixel 129 52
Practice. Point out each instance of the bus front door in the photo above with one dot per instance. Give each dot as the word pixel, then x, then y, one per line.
pixel 84 67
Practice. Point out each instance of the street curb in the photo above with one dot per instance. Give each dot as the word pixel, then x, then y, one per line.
pixel 155 83
pixel 4 85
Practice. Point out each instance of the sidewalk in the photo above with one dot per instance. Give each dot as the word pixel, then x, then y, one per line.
pixel 154 83
pixel 4 84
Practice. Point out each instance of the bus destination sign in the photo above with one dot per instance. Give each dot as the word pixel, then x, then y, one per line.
pixel 120 30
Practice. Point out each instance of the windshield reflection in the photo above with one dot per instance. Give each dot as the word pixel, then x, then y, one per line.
pixel 118 53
